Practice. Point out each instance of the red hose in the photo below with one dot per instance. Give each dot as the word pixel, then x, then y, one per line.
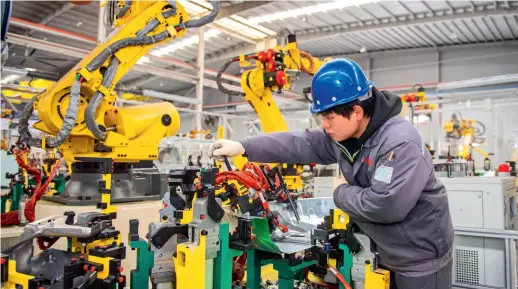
pixel 340 277
pixel 31 204
pixel 12 218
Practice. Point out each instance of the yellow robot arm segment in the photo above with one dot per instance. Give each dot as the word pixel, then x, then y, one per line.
pixel 274 71
pixel 79 109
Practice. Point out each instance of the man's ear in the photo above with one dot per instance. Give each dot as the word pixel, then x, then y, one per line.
pixel 358 112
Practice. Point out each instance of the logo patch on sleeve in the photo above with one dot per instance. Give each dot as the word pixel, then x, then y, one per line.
pixel 384 174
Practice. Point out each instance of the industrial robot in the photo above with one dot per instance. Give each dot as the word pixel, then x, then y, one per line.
pixel 275 70
pixel 79 117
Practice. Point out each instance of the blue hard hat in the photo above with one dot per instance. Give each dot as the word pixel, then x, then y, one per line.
pixel 337 82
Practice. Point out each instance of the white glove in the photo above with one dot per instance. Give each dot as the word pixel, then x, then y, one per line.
pixel 225 147
pixel 337 181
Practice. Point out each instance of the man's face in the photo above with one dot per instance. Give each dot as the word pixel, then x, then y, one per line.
pixel 340 128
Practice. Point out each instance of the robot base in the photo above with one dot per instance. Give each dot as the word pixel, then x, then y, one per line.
pixel 130 183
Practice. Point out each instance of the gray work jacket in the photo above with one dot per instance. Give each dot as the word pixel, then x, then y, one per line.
pixel 392 192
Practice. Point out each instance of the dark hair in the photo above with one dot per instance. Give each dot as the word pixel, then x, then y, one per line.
pixel 347 109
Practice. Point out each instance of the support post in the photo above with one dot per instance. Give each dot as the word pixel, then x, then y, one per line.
pixel 200 61
pixel 369 68
pixel 253 270
pixel 101 29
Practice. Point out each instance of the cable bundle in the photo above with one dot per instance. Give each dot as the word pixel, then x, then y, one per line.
pixel 250 176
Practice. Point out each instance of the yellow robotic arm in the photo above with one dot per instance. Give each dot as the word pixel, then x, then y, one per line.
pixel 276 70
pixel 78 114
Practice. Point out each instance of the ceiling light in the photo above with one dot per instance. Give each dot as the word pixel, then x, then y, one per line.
pixel 363 50
pixel 79 24
pixel 234 23
pixel 185 42
pixel 454 36
pixel 229 38
pixel 161 84
pixel 304 18
pixel 308 10
pixel 30 69
pixel 143 60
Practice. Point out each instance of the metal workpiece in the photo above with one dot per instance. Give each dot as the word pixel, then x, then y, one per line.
pixel 53 226
pixel 56 226
pixel 311 211
pixel 202 224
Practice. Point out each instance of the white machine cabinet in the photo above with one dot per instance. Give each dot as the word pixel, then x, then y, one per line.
pixel 481 202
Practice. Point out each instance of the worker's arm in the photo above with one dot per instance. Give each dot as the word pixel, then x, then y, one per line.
pixel 299 147
pixel 401 175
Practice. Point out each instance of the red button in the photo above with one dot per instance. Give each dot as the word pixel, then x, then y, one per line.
pixel 121 279
pixel 85 267
pixel 121 269
pixel 3 261
pixel 92 269
pixel 202 217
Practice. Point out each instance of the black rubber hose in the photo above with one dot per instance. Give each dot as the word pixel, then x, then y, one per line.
pixel 68 121
pixel 23 125
pixel 205 19
pixel 116 46
pixel 94 103
pixel 220 83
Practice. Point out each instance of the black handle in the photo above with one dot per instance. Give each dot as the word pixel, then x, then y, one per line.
pixel 227 163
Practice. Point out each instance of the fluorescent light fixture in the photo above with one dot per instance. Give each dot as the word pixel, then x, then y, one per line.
pixel 30 69
pixel 10 78
pixel 233 23
pixel 184 43
pixel 308 10
pixel 143 60
pixel 241 28
pixel 475 144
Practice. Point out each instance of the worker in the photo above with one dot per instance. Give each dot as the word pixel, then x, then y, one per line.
pixel 388 186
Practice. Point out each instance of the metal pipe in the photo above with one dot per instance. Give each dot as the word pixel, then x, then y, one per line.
pixel 477 82
pixel 172 97
pixel 507 265
pixel 487 233
pixel 199 84
pixel 101 29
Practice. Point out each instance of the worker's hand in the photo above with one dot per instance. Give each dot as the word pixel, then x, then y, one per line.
pixel 337 181
pixel 225 147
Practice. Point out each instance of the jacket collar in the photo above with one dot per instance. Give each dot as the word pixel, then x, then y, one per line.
pixel 375 138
